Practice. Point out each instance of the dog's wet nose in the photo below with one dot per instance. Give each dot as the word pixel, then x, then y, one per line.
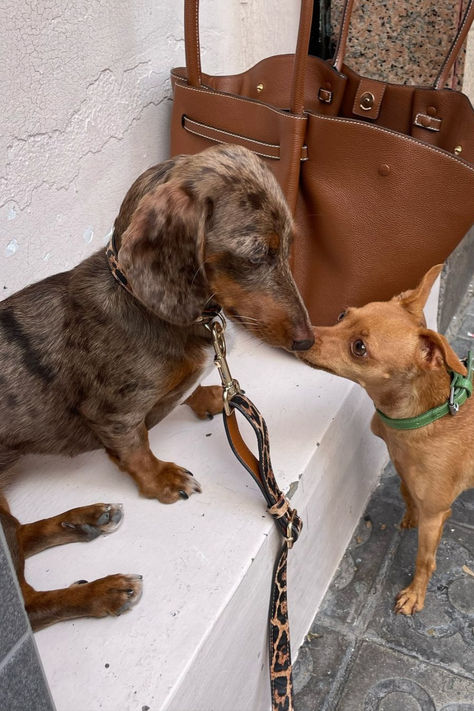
pixel 304 345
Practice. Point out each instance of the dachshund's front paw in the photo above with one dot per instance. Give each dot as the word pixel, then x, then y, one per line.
pixel 170 484
pixel 206 401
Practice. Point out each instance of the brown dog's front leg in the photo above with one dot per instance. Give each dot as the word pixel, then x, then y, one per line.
pixel 112 595
pixel 206 401
pixel 164 481
pixel 430 529
pixel 410 519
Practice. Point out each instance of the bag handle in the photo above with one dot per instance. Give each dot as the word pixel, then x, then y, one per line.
pixel 193 52
pixel 455 48
pixel 450 58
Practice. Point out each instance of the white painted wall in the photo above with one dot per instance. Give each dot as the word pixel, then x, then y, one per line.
pixel 86 108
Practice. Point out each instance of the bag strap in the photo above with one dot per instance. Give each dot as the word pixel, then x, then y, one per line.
pixel 338 59
pixel 455 48
pixel 193 52
pixel 463 29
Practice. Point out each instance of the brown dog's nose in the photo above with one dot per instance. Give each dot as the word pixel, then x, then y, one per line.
pixel 302 345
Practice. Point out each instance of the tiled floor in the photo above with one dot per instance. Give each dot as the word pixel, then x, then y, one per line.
pixel 359 655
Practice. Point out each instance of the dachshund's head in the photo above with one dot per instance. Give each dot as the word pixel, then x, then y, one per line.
pixel 213 226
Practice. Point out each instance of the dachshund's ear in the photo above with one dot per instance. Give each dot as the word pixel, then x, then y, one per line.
pixel 161 253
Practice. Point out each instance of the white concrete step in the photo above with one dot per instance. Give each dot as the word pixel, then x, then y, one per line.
pixel 197 639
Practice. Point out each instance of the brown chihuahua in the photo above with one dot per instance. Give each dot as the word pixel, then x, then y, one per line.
pixel 413 376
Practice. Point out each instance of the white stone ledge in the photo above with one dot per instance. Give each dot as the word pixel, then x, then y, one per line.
pixel 197 639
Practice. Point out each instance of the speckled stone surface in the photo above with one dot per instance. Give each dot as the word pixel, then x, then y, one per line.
pixel 403 42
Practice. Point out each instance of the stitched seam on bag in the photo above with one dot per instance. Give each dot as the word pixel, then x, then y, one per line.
pixel 216 140
pixel 198 46
pixel 237 98
pixel 410 139
pixel 233 135
pixel 446 61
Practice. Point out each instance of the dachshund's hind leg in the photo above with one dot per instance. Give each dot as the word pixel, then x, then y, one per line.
pixel 82 524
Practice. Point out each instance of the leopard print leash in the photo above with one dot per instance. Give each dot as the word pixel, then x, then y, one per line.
pixel 289 524
pixel 286 518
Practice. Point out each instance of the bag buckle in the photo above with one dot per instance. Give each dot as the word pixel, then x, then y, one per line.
pixel 325 95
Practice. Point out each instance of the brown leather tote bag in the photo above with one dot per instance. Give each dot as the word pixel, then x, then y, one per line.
pixel 380 177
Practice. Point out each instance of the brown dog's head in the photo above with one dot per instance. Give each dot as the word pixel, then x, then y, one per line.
pixel 213 226
pixel 384 341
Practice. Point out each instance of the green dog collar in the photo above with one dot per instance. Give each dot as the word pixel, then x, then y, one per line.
pixel 461 389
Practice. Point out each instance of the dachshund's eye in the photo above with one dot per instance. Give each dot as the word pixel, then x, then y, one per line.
pixel 358 348
pixel 341 316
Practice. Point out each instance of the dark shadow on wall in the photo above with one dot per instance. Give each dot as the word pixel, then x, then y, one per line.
pixel 320 43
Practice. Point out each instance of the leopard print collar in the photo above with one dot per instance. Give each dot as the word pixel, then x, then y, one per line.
pixel 111 252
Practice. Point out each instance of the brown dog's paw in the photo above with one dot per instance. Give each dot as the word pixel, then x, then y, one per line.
pixel 206 401
pixel 170 484
pixel 409 601
pixel 409 520
pixel 112 595
pixel 88 522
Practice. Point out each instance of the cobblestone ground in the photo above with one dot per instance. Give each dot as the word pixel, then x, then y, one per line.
pixel 360 656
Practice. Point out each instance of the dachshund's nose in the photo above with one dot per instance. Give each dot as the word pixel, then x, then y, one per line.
pixel 302 345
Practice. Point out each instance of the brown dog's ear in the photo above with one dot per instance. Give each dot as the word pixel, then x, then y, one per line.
pixel 161 254
pixel 414 300
pixel 437 353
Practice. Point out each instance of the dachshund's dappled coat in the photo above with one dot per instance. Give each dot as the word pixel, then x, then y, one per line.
pixel 86 363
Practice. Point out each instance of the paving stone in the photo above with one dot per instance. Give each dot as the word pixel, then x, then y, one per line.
pixel 443 631
pixel 383 680
pixel 462 345
pixel 354 582
pixel 320 666
pixel 13 622
pixel 22 684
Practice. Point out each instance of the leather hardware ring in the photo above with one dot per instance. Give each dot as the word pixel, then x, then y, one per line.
pixel 367 101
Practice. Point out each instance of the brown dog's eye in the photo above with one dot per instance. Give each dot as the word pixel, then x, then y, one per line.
pixel 358 348
pixel 341 316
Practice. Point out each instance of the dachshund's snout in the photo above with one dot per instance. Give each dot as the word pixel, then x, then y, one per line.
pixel 303 345
pixel 303 338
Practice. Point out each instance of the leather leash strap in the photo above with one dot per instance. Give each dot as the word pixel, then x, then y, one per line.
pixel 286 518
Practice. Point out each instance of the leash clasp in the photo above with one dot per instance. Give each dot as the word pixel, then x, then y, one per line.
pixel 230 386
